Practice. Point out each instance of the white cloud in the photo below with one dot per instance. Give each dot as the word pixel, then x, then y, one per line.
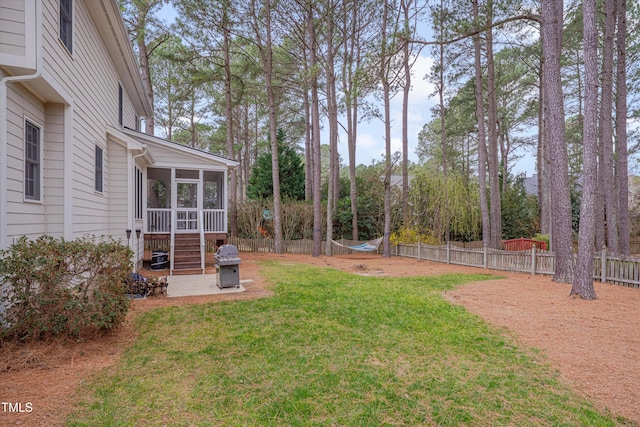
pixel 419 85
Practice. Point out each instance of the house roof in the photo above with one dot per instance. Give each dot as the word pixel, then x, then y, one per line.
pixel 130 143
pixel 154 142
pixel 531 184
pixel 109 22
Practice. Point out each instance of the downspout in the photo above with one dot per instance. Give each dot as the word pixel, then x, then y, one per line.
pixel 3 124
pixel 132 214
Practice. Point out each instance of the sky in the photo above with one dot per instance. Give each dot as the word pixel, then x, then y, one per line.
pixel 370 146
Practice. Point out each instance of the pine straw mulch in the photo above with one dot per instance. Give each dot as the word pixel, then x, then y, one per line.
pixel 594 345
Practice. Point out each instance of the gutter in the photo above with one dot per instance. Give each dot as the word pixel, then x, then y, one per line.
pixel 3 124
pixel 132 215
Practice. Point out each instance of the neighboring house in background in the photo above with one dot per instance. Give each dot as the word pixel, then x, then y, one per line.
pixel 531 184
pixel 634 192
pixel 531 187
pixel 396 180
pixel 71 160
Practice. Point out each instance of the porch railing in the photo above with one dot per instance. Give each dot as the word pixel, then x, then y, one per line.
pixel 213 220
pixel 202 242
pixel 158 220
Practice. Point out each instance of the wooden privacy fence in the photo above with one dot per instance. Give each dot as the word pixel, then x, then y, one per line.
pixel 606 268
pixel 523 244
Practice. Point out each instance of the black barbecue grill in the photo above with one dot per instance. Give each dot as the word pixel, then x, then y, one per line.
pixel 227 267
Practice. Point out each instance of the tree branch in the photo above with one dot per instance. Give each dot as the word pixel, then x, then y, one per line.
pixel 529 17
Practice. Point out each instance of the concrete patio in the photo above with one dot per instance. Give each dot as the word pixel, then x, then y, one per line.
pixel 199 284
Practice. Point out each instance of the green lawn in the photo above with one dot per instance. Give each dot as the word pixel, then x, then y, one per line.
pixel 335 349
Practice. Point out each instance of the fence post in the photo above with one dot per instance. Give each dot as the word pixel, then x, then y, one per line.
pixel 533 260
pixel 418 249
pixel 484 257
pixel 448 253
pixel 603 269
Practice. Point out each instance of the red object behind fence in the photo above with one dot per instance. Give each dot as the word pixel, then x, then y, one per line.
pixel 523 244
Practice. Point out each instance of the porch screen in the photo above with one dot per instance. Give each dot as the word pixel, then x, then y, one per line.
pixel 158 188
pixel 159 200
pixel 213 190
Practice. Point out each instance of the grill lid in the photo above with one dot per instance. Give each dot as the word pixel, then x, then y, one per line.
pixel 227 251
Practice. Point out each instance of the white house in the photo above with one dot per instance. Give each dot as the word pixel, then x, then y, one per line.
pixel 72 161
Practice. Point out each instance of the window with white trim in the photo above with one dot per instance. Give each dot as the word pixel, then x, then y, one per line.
pixel 32 161
pixel 138 193
pixel 120 104
pixel 99 167
pixel 66 24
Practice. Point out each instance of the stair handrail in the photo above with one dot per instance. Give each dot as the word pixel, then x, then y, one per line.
pixel 202 241
pixel 172 243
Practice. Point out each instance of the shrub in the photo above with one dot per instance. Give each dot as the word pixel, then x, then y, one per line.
pixel 52 287
pixel 542 238
pixel 411 235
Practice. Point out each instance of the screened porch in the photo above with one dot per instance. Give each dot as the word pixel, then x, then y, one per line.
pixel 185 201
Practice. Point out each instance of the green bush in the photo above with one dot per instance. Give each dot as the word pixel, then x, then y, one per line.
pixel 53 287
pixel 411 235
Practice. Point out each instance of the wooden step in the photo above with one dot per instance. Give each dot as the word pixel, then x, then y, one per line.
pixel 185 271
pixel 187 254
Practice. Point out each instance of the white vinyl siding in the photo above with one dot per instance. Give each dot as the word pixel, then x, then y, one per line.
pixel 21 105
pixel 53 173
pixel 75 102
pixel 13 27
pixel 90 78
pixel 18 33
pixel 47 215
pixel 118 189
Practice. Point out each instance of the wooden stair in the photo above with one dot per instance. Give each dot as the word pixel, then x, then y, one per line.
pixel 186 255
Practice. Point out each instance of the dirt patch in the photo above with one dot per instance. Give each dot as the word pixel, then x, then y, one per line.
pixel 593 345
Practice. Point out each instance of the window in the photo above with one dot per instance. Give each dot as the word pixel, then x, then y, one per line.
pixel 31 161
pixel 66 24
pixel 120 102
pixel 138 193
pixel 99 169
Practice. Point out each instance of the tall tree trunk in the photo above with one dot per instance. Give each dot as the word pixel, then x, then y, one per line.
pixel 560 199
pixel 315 120
pixel 332 109
pixel 583 279
pixel 308 151
pixel 140 21
pixel 145 71
pixel 621 128
pixel 233 175
pixel 266 52
pixel 352 51
pixel 443 128
pixel 482 145
pixel 492 154
pixel 405 4
pixel 386 94
pixel 606 129
pixel 543 162
pixel 308 155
